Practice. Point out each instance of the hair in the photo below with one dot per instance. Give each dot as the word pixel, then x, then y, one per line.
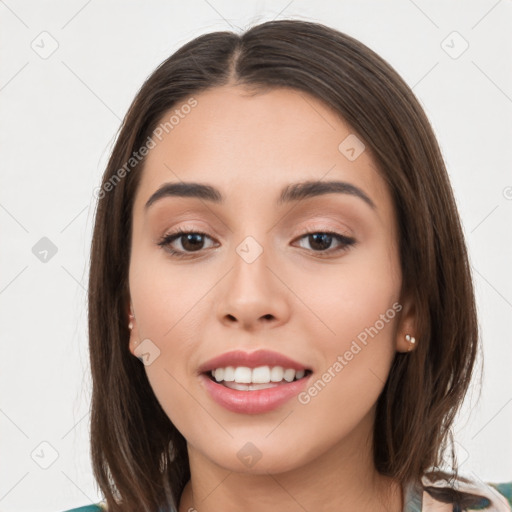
pixel 139 458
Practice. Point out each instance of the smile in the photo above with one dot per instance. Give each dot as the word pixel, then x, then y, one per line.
pixel 243 378
pixel 252 397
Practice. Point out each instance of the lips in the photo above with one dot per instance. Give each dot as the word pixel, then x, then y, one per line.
pixel 252 402
pixel 268 386
pixel 251 360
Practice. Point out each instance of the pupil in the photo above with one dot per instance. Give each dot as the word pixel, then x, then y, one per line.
pixel 194 240
pixel 321 241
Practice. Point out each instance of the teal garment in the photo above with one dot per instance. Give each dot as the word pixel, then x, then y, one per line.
pixel 89 508
pixel 430 495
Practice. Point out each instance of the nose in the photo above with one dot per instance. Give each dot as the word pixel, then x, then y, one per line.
pixel 254 294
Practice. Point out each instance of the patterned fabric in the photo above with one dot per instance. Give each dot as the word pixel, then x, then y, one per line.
pixel 432 495
pixel 435 494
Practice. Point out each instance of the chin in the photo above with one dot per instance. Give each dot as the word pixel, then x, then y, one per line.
pixel 256 458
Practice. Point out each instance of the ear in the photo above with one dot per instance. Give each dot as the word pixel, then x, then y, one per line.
pixel 131 322
pixel 406 333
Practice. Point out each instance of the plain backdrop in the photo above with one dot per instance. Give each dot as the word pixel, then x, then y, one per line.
pixel 68 72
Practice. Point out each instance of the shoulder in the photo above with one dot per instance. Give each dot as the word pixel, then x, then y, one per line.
pixel 97 507
pixel 467 492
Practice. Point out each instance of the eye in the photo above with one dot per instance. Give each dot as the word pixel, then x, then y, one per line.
pixel 191 241
pixel 321 241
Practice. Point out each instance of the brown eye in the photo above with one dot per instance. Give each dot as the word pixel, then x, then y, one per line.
pixel 190 241
pixel 321 241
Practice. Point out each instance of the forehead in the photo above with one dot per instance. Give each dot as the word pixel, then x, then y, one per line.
pixel 251 145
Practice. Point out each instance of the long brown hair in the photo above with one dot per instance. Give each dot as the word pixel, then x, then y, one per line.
pixel 139 458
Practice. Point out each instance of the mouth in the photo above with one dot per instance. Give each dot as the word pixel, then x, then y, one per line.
pixel 259 390
pixel 253 382
pixel 244 378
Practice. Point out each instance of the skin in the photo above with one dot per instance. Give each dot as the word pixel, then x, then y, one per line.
pixel 290 300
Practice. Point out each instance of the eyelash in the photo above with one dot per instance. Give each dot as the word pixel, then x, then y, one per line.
pixel 345 241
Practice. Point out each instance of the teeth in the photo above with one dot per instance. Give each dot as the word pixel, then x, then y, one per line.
pixel 249 387
pixel 259 375
pixel 242 375
pixel 229 374
pixel 276 374
pixel 289 375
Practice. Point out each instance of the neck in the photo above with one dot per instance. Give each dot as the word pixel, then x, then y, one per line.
pixel 343 478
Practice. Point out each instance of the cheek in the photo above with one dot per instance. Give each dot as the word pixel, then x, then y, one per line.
pixel 171 302
pixel 356 308
pixel 356 359
pixel 167 297
pixel 351 297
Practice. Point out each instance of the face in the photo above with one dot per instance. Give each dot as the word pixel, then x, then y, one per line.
pixel 314 278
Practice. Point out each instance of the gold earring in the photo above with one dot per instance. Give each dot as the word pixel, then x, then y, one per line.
pixel 411 341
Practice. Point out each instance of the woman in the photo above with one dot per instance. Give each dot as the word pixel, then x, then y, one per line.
pixel 281 311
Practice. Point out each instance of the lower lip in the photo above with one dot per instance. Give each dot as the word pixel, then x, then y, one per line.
pixel 252 402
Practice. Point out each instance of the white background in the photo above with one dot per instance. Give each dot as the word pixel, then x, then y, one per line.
pixel 59 117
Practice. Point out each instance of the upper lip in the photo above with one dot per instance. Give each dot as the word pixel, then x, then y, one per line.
pixel 250 360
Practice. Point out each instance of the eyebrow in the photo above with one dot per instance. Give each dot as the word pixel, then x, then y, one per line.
pixel 290 193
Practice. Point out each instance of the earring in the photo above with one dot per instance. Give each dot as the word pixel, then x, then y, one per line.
pixel 411 340
pixel 130 325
